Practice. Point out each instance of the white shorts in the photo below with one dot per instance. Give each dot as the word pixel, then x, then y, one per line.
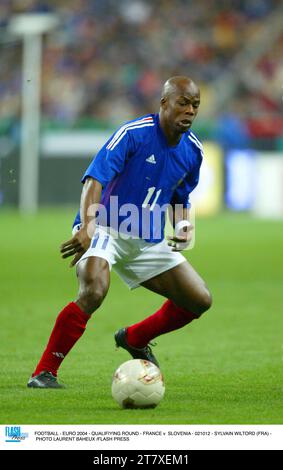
pixel 133 259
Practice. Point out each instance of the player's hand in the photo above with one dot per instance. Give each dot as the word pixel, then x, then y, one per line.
pixel 76 246
pixel 181 242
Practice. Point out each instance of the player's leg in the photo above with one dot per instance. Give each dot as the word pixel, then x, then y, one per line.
pixel 184 286
pixel 94 279
pixel 94 276
pixel 188 297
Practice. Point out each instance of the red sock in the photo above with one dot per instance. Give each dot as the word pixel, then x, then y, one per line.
pixel 168 318
pixel 69 327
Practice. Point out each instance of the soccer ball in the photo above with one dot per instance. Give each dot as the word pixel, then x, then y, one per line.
pixel 138 384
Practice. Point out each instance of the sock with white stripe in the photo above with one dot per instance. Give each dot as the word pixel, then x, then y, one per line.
pixel 69 327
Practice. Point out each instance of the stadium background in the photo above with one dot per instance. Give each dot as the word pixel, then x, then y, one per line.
pixel 104 63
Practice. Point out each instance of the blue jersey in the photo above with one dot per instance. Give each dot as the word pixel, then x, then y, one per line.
pixel 141 174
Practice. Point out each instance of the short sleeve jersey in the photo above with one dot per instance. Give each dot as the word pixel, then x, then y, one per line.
pixel 141 175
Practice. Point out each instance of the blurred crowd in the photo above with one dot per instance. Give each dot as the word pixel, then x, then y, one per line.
pixel 107 60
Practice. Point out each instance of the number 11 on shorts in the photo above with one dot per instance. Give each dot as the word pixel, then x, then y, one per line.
pixel 104 241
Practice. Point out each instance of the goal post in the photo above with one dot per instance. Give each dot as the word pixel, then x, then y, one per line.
pixel 30 27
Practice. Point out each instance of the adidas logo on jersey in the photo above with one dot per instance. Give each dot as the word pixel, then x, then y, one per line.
pixel 151 159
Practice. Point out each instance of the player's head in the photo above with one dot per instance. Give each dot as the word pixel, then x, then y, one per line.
pixel 180 100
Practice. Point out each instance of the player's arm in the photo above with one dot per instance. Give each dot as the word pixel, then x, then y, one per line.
pixel 79 243
pixel 180 219
pixel 108 163
pixel 181 205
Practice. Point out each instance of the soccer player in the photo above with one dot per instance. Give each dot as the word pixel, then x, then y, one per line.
pixel 146 165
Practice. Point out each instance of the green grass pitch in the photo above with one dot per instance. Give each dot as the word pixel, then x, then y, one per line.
pixel 225 368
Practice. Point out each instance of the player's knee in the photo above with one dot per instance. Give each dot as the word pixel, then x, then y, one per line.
pixel 198 303
pixel 91 296
pixel 204 302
